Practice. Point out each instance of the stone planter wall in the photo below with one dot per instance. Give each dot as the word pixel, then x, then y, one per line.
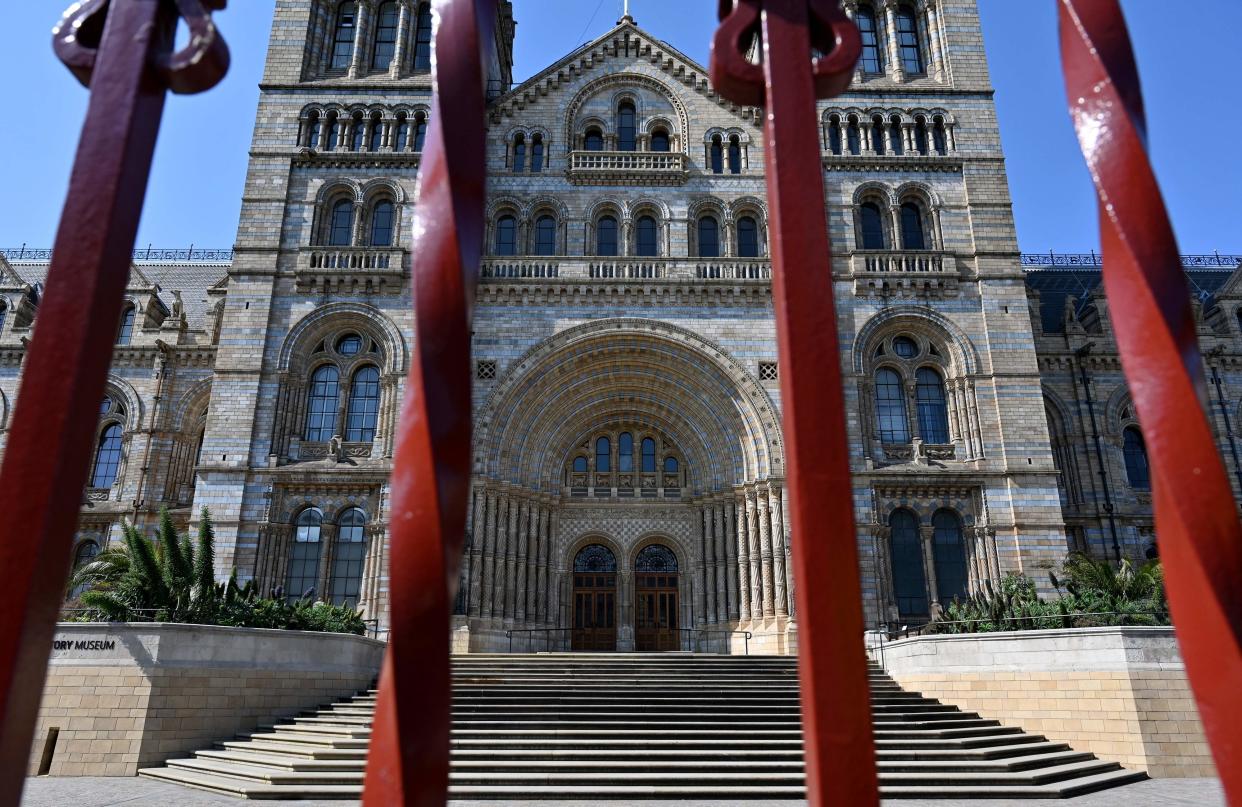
pixel 125 696
pixel 1120 693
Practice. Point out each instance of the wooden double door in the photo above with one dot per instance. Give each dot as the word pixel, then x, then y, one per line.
pixel 655 611
pixel 595 611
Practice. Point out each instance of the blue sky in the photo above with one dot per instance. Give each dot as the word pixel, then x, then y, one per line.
pixel 200 166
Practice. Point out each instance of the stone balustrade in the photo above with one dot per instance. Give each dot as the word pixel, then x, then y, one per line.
pixel 625 268
pixel 338 269
pixel 628 167
pixel 900 262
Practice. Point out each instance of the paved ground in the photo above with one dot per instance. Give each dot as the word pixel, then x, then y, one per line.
pixel 92 792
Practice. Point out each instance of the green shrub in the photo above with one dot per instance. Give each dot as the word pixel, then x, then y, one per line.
pixel 173 580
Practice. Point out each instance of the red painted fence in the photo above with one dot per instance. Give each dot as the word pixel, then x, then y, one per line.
pixel 129 67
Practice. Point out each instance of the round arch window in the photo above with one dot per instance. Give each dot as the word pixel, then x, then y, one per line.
pixel 349 345
pixel 905 347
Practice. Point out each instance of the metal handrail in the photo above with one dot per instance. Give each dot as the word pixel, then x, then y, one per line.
pixel 745 633
pixel 1095 261
pixel 509 633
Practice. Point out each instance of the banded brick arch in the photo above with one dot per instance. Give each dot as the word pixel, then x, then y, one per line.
pixel 632 369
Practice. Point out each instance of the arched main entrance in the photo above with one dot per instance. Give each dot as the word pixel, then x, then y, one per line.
pixel 595 599
pixel 655 599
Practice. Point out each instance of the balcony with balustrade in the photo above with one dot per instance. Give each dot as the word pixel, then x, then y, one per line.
pixel 356 269
pixel 887 272
pixel 628 168
pixel 628 268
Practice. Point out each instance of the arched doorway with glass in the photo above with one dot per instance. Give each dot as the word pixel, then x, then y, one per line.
pixel 656 601
pixel 595 599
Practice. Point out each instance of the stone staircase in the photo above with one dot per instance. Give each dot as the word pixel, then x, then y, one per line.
pixel 647 726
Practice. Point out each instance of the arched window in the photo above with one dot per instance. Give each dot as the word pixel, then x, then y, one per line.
pixel 877 135
pixel 1135 448
pixel 735 155
pixel 519 153
pixel 834 135
pixel 351 550
pixel 506 235
pixel 303 576
pixel 709 237
pixel 747 237
pixel 647 243
pixel 381 225
pixel 594 140
pixel 649 455
pixel 933 412
pixel 872 54
pixel 655 558
pixel 905 347
pixel 625 453
pixel 595 558
pixel 909 577
pixel 920 135
pixel 377 134
pixel 536 154
pixel 872 221
pixel 660 140
pixel 343 38
pixel 950 553
pixel 332 129
pixel 312 130
pixel 364 397
pixel 908 41
pixel 717 155
pixel 358 133
pixel 896 137
pixel 125 334
pixel 912 227
pixel 341 226
pixel 603 455
pixel 939 138
pixel 890 407
pixel 385 36
pixel 321 404
pixel 403 132
pixel 422 38
pixel 4 313
pixel 86 552
pixel 349 345
pixel 670 465
pixel 627 127
pixel 606 236
pixel 580 465
pixel 853 136
pixel 545 235
pixel 420 131
pixel 107 457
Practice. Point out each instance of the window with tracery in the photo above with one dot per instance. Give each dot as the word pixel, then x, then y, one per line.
pixel 343 392
pixel 595 558
pixel 655 558
pixel 348 557
pixel 912 401
pixel 627 462
pixel 304 553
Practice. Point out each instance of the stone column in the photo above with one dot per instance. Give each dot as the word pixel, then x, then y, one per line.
pixel 730 539
pixel 895 70
pixel 709 561
pixel 937 68
pixel 722 586
pixel 789 570
pixel 765 553
pixel 554 563
pixel 540 607
pixel 743 558
pixel 520 584
pixel 327 554
pixel 882 536
pixel 700 574
pixel 778 551
pixel 532 562
pixel 324 134
pixel 511 539
pixel 756 555
pixel 488 572
pixel 403 35
pixel 362 22
pixel 928 533
pixel 478 530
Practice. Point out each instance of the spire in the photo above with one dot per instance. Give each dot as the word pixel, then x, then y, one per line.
pixel 625 14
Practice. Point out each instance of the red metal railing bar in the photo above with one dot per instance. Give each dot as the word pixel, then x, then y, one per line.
pixel 409 756
pixel 1196 515
pixel 49 447
pixel 836 712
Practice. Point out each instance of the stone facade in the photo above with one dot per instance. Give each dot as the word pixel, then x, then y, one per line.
pixel 122 697
pixel 627 382
pixel 1121 693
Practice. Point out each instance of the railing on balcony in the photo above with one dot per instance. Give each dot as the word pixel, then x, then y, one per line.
pixel 625 268
pixel 1093 260
pixel 353 269
pixel 365 258
pixel 885 262
pixel 628 167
